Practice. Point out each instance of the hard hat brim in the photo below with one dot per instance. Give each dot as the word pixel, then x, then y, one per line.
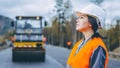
pixel 77 13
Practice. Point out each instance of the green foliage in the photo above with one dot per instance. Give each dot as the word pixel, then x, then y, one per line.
pixel 114 37
pixel 57 37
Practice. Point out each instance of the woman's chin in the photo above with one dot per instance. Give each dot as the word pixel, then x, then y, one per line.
pixel 77 29
pixel 80 30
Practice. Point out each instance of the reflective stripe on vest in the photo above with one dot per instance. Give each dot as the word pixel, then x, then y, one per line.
pixel 82 58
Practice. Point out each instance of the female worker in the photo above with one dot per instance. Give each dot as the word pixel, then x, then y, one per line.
pixel 90 52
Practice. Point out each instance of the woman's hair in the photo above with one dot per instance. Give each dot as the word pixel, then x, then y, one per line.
pixel 94 24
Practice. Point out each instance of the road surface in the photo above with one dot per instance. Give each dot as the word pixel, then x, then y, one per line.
pixel 56 57
pixel 6 62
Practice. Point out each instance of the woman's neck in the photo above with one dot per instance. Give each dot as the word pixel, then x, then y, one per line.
pixel 88 34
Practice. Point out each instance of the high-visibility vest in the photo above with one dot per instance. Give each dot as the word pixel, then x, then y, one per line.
pixel 82 58
pixel 44 39
pixel 13 38
pixel 69 43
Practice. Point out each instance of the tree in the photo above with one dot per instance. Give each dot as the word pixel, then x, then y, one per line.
pixel 113 36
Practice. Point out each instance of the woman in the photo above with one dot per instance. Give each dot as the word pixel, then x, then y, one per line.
pixel 90 52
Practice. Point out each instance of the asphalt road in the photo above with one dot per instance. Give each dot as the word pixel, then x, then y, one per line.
pixel 56 57
pixel 6 62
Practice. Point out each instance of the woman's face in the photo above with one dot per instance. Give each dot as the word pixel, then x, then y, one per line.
pixel 82 23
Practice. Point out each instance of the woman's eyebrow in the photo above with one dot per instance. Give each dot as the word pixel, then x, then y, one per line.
pixel 83 15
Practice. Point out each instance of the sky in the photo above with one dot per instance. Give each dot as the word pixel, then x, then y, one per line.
pixel 12 8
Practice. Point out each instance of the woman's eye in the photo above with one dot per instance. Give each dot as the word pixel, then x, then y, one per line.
pixel 81 17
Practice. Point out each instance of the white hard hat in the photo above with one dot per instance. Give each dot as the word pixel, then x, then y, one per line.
pixel 96 12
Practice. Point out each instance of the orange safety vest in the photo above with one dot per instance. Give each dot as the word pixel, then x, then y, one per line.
pixel 12 39
pixel 82 58
pixel 69 43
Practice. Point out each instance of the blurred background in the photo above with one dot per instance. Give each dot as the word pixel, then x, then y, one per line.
pixel 60 31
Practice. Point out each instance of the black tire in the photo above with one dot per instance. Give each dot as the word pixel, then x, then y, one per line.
pixel 28 55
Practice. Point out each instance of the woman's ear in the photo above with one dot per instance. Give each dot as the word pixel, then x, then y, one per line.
pixel 90 25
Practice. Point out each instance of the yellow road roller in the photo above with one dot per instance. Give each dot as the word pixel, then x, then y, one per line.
pixel 28 45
